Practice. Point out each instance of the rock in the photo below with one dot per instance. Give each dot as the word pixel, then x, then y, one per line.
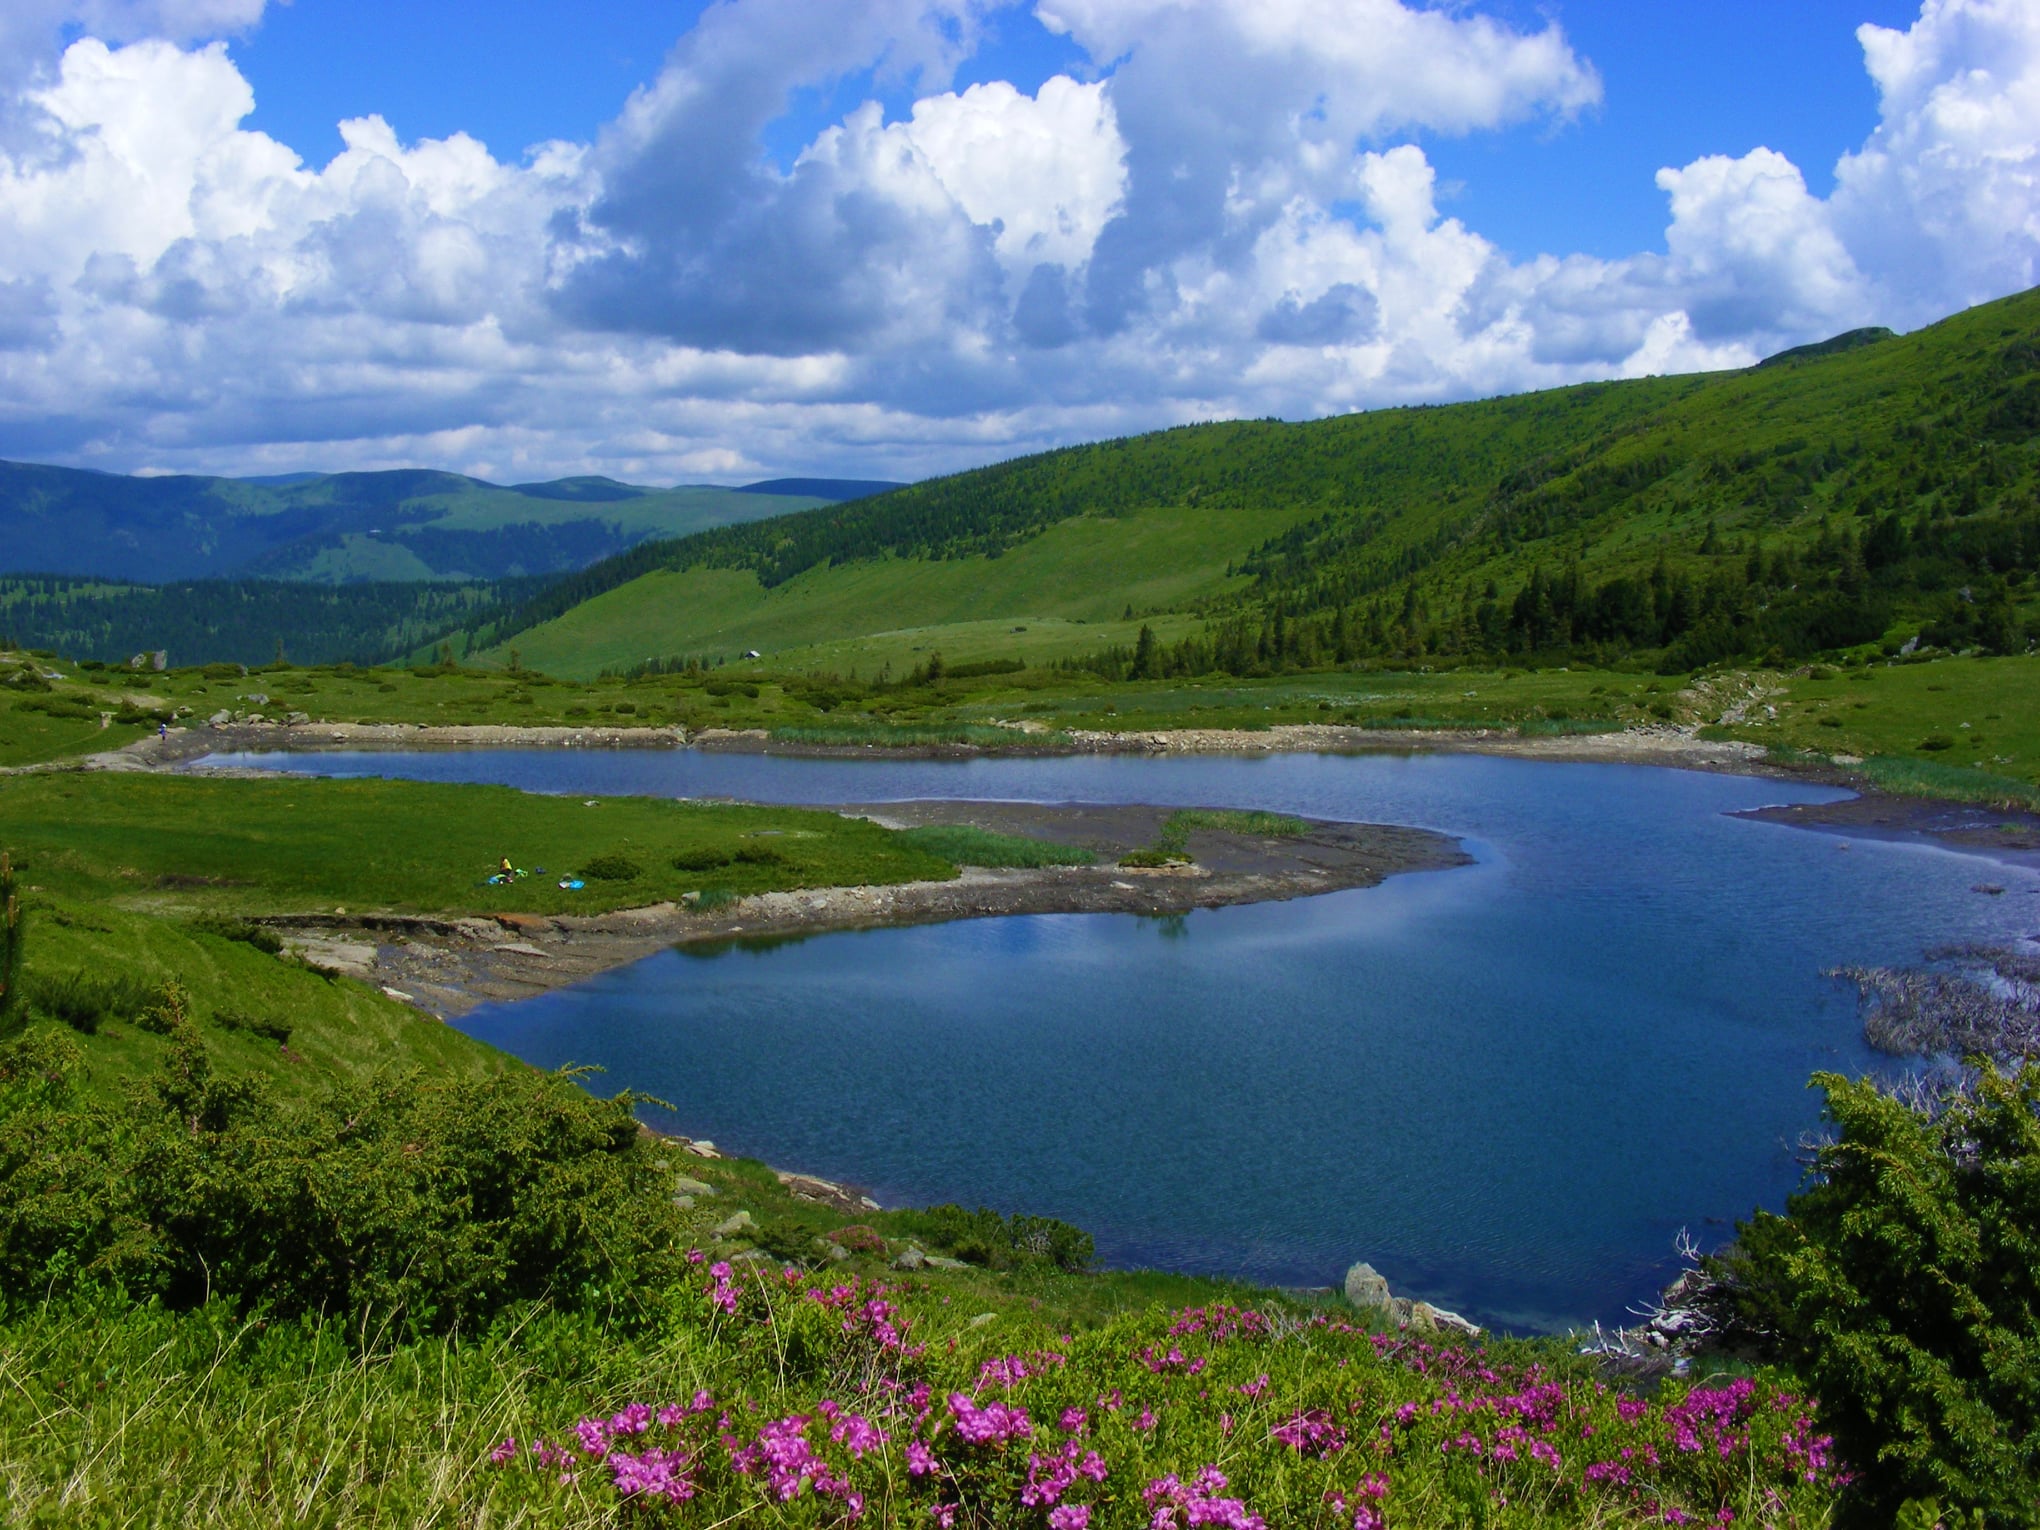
pixel 1366 1287
pixel 832 1250
pixel 687 1185
pixel 938 1262
pixel 703 1149
pixel 909 1258
pixel 399 995
pixel 740 1223
pixel 983 1318
pixel 1424 1315
pixel 297 719
pixel 220 718
pixel 684 1201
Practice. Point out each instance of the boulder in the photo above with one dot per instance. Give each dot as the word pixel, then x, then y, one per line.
pixel 909 1258
pixel 1424 1315
pixel 221 718
pixel 688 1185
pixel 1366 1287
pixel 939 1262
pixel 736 1225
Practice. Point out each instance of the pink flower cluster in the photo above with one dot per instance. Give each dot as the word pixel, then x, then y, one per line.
pixel 1051 1476
pixel 973 1453
pixel 1363 1503
pixel 1173 1360
pixel 1173 1503
pixel 867 1315
pixel 1310 1433
pixel 993 1424
pixel 783 1456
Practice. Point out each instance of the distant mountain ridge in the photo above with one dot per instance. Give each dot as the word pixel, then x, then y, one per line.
pixel 402 524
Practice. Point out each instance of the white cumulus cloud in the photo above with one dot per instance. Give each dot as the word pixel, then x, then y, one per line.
pixel 1225 217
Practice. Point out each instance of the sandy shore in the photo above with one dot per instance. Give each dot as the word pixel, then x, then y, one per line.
pixel 449 965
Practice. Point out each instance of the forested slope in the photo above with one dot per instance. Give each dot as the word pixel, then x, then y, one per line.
pixel 1835 495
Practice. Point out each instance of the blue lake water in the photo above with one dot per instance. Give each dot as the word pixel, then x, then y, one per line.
pixel 1507 1085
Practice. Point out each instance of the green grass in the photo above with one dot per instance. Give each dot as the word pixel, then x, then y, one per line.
pixel 1923 778
pixel 170 842
pixel 1234 821
pixel 1988 710
pixel 1069 587
pixel 968 845
pixel 339 1029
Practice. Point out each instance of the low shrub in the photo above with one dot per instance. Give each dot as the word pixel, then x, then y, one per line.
pixel 759 855
pixel 615 867
pixel 223 928
pixel 253 1025
pixel 1902 1284
pixel 84 1001
pixel 436 1203
pixel 703 858
pixel 984 1237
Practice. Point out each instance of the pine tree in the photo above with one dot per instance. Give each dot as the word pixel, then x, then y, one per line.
pixel 1144 665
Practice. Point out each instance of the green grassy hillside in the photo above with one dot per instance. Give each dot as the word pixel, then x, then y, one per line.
pixel 1841 495
pixel 1087 569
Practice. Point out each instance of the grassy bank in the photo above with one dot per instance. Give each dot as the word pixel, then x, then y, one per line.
pixel 181 843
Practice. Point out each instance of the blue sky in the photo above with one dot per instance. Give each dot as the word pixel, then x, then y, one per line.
pixel 1682 80
pixel 889 237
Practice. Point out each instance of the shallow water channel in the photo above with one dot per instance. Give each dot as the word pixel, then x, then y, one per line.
pixel 1507 1085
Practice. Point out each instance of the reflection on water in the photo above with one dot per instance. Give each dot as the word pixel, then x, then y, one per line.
pixel 1507 1085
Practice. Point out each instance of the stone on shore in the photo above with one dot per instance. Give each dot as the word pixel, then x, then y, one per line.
pixel 1366 1287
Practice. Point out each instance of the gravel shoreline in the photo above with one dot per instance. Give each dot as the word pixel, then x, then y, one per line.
pixel 448 966
pixel 1657 745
